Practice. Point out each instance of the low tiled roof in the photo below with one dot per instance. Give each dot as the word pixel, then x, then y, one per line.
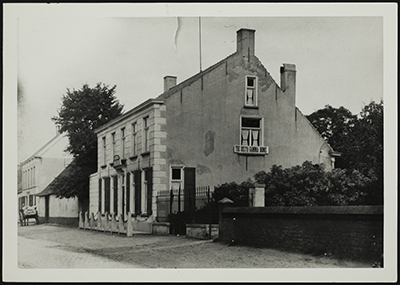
pixel 50 188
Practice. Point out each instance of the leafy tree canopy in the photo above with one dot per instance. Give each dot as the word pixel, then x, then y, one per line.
pixel 359 138
pixel 81 112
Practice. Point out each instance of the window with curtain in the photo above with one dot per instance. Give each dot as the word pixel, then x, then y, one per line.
pixel 250 132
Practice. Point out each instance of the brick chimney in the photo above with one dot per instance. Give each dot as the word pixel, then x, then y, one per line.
pixel 169 82
pixel 245 42
pixel 288 81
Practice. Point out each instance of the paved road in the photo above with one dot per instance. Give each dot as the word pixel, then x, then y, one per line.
pixel 50 246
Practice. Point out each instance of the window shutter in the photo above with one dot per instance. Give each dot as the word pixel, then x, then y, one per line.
pixel 107 194
pixel 138 184
pixel 128 194
pixel 149 178
pixel 100 195
pixel 115 195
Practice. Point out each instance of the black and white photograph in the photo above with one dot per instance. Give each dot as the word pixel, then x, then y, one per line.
pixel 200 142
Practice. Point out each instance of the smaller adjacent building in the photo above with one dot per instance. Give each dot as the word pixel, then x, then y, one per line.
pixel 53 209
pixel 40 169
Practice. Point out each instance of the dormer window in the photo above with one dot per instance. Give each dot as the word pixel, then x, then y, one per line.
pixel 251 91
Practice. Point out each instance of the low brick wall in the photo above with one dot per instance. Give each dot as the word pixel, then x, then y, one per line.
pixel 354 232
pixel 201 231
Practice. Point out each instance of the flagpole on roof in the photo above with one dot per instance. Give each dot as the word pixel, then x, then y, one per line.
pixel 200 40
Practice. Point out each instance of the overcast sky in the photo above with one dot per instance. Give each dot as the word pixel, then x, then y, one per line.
pixel 339 60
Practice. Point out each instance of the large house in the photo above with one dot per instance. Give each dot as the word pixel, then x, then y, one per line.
pixel 39 170
pixel 223 124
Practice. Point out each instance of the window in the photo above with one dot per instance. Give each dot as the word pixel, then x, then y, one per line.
pixel 30 200
pixel 123 143
pixel 176 177
pixel 113 145
pixel 146 134
pixel 251 91
pixel 250 134
pixel 133 141
pixel 104 150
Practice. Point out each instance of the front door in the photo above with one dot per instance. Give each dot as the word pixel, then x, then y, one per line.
pixel 189 190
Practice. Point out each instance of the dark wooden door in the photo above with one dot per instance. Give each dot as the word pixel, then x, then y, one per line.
pixel 189 189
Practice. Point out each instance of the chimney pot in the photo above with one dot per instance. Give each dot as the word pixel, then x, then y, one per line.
pixel 288 80
pixel 245 42
pixel 169 82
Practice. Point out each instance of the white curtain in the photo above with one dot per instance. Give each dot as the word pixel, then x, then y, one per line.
pixel 249 96
pixel 255 137
pixel 245 137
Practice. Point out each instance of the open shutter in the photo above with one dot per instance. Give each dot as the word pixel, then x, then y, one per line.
pixel 138 194
pixel 115 186
pixel 128 193
pixel 107 194
pixel 100 180
pixel 149 179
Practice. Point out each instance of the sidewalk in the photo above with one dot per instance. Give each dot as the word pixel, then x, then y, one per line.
pixel 77 248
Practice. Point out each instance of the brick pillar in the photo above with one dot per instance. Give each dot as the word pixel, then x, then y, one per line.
pixel 257 196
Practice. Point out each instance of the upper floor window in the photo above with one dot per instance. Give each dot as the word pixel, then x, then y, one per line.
pixel 123 143
pixel 133 140
pixel 104 150
pixel 250 132
pixel 113 145
pixel 251 91
pixel 146 134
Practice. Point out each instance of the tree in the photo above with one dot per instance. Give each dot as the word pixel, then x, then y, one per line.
pixel 335 125
pixel 82 111
pixel 367 141
pixel 359 139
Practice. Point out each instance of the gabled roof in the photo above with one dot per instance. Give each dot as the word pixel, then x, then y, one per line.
pixel 193 78
pixel 162 96
pixel 45 147
pixel 50 189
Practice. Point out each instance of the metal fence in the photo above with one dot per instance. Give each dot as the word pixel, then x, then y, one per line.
pixel 193 205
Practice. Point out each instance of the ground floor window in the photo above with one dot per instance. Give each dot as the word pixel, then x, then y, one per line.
pixel 128 192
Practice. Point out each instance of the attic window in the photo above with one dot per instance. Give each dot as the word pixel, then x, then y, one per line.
pixel 251 91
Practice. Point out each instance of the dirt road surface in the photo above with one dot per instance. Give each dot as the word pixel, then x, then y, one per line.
pixel 51 246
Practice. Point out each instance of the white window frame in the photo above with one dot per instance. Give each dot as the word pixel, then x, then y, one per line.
pixel 134 139
pixel 255 91
pixel 104 150
pixel 113 145
pixel 123 142
pixel 146 135
pixel 176 181
pixel 261 130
